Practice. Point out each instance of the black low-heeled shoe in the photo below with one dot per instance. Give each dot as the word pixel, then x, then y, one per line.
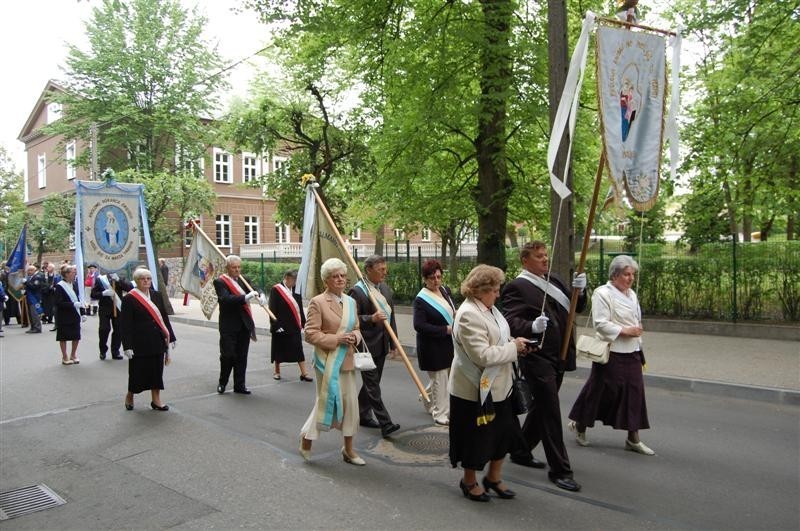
pixel 482 497
pixel 128 406
pixel 505 494
pixel 304 378
pixel 158 408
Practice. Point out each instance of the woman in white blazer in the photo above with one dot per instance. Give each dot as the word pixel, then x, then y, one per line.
pixel 481 419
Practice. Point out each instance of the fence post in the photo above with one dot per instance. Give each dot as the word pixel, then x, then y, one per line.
pixel 735 312
pixel 408 251
pixel 355 254
pixel 419 267
pixel 263 281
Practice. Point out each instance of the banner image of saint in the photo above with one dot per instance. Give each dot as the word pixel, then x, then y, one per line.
pixel 631 77
pixel 203 265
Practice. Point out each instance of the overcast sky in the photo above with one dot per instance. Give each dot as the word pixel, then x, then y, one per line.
pixel 33 34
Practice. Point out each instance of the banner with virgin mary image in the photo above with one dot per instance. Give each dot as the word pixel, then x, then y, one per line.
pixel 110 225
pixel 631 79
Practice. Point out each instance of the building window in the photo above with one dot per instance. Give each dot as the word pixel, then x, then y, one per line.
pixel 222 166
pixel 41 170
pixel 53 112
pixel 399 234
pixel 223 226
pixel 72 240
pixel 471 236
pixel 356 234
pixel 279 163
pixel 69 157
pixel 185 162
pixel 282 233
pixel 251 231
pixel 249 167
pixel 426 234
pixel 188 236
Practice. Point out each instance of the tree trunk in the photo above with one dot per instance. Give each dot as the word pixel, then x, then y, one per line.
pixel 562 233
pixel 732 228
pixel 790 221
pixel 494 186
pixel 511 234
pixel 747 227
pixel 379 240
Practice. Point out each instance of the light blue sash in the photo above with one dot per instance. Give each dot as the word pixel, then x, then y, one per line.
pixel 436 305
pixel 379 298
pixel 329 399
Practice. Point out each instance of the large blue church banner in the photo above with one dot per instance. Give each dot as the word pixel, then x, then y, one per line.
pixel 110 223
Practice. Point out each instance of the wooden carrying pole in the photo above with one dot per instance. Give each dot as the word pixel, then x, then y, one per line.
pixel 573 303
pixel 386 323
pixel 247 284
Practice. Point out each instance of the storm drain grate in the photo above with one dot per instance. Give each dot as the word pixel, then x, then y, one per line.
pixel 27 500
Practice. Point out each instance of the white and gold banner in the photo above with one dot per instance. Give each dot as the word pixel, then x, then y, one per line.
pixel 632 82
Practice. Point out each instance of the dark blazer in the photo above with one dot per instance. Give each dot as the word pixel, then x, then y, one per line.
pixel 278 305
pixel 106 304
pixel 521 303
pixel 140 332
pixel 375 335
pixel 64 309
pixel 434 344
pixel 232 314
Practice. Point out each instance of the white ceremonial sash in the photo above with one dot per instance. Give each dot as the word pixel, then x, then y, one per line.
pixel 436 303
pixel 70 294
pixel 114 296
pixel 379 298
pixel 548 288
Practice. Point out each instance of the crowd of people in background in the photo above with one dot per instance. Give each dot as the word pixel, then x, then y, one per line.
pixel 467 351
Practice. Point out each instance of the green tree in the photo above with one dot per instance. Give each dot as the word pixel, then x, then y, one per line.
pixel 11 204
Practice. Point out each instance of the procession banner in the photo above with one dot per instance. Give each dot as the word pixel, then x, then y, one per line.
pixel 319 244
pixel 110 220
pixel 631 79
pixel 203 265
pixel 16 266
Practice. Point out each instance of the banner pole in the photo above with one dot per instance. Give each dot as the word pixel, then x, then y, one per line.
pixel 386 323
pixel 247 284
pixel 587 234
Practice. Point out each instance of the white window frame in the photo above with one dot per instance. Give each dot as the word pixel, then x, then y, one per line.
pixel 356 234
pixel 54 112
pixel 252 232
pixel 72 240
pixel 218 165
pixel 279 162
pixel 426 234
pixel 188 236
pixel 254 168
pixel 194 166
pixel 222 232
pixel 399 234
pixel 283 233
pixel 41 170
pixel 70 152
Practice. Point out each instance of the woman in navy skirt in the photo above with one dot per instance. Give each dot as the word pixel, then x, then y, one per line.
pixel 614 392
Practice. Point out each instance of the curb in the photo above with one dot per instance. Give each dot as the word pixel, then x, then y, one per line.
pixel 773 395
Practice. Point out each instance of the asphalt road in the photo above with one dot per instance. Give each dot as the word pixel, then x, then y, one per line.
pixel 231 461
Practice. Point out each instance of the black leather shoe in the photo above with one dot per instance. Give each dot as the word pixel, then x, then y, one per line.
pixel 505 494
pixel 158 408
pixel 220 388
pixel 369 423
pixel 116 356
pixel 243 391
pixel 102 355
pixel 388 429
pixel 531 462
pixel 128 406
pixel 566 484
pixel 482 497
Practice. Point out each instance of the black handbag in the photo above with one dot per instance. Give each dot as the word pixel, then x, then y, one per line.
pixel 520 394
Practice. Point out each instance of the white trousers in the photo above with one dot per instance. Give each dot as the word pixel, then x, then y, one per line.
pixel 439 407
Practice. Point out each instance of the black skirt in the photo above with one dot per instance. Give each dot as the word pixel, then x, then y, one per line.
pixel 287 347
pixel 145 373
pixel 473 446
pixel 614 394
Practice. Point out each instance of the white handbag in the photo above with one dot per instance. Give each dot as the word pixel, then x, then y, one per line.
pixel 593 349
pixel 362 359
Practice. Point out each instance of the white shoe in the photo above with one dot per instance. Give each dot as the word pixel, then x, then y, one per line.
pixel 638 447
pixel 352 460
pixel 580 438
pixel 444 421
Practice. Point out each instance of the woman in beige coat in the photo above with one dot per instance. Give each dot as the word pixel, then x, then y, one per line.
pixel 481 419
pixel 332 327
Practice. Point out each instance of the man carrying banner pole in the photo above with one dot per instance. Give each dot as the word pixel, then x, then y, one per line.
pixel 319 231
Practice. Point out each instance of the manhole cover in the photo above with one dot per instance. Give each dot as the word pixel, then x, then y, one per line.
pixel 429 445
pixel 27 500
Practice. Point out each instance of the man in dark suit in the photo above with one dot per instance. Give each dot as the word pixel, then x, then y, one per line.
pixel 236 326
pixel 371 321
pixel 104 290
pixel 532 313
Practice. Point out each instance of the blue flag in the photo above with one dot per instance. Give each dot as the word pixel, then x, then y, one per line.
pixel 16 266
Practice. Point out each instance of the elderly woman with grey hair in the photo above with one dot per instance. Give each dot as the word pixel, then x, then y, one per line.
pixel 614 392
pixel 332 328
